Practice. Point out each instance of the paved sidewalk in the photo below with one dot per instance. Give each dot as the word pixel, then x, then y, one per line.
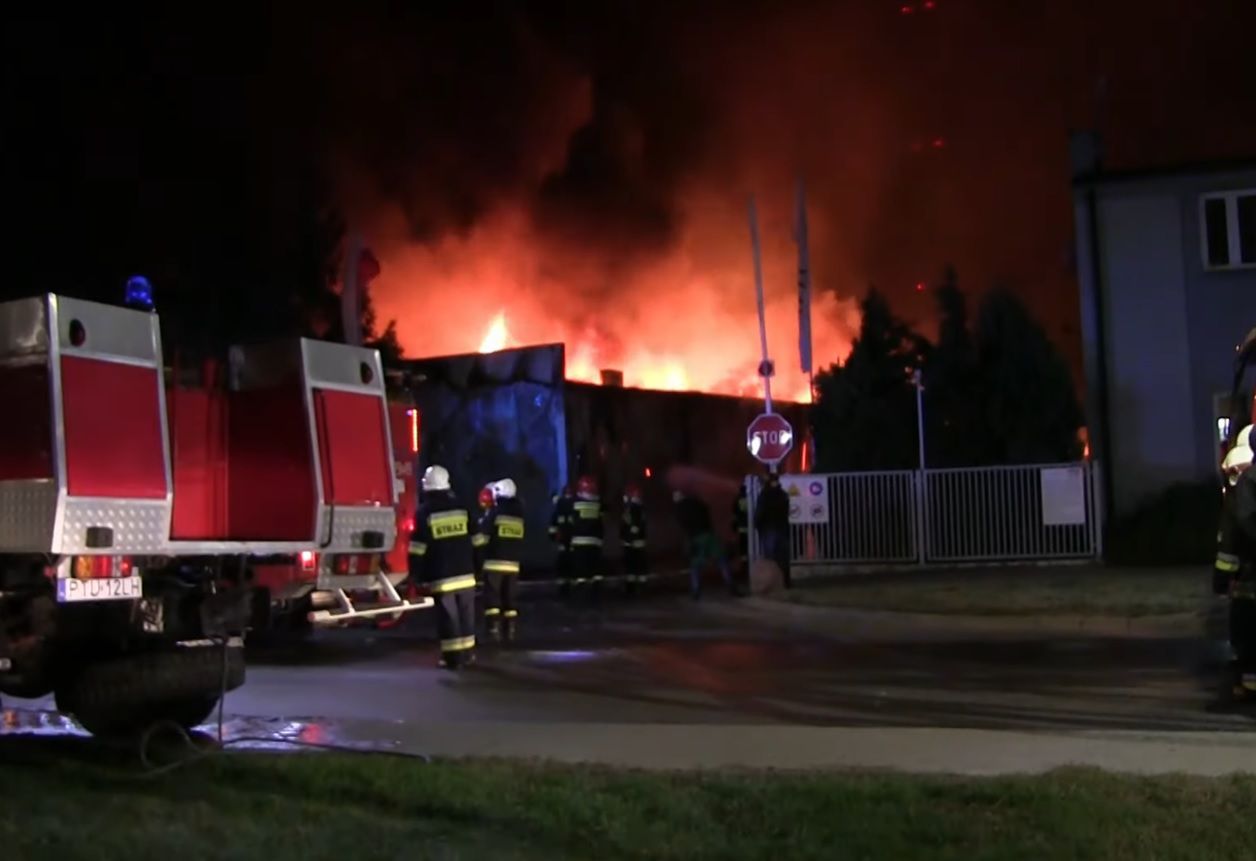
pixel 690 746
pixel 685 746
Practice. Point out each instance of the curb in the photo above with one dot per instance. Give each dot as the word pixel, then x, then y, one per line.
pixel 844 622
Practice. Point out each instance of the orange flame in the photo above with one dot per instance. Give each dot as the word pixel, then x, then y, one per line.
pixel 682 321
pixel 497 337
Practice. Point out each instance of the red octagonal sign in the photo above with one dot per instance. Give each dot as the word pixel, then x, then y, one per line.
pixel 769 438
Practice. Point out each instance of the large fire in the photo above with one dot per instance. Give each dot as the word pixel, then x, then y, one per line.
pixel 685 321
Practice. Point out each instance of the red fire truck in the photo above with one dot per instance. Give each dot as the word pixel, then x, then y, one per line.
pixel 291 598
pixel 146 515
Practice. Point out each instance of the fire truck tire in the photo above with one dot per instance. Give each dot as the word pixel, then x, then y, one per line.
pixel 125 695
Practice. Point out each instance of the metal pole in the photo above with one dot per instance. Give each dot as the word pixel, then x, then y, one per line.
pixel 922 483
pixel 811 387
pixel 920 420
pixel 758 288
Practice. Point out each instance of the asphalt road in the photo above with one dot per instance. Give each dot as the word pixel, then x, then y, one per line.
pixel 666 660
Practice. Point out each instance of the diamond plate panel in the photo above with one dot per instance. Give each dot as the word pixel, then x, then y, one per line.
pixel 138 525
pixel 28 513
pixel 351 521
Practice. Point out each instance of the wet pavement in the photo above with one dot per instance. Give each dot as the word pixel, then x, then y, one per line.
pixel 665 661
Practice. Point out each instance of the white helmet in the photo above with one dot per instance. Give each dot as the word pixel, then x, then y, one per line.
pixel 1238 458
pixel 436 478
pixel 504 489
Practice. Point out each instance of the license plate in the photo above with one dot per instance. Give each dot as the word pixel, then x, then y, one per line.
pixel 102 589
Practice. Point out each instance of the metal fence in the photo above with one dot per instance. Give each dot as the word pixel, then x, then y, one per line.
pixel 1039 512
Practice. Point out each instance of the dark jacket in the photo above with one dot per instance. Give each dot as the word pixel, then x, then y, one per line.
pixel 501 534
pixel 584 523
pixel 560 520
pixel 741 512
pixel 771 509
pixel 694 516
pixel 440 544
pixel 632 529
pixel 1236 534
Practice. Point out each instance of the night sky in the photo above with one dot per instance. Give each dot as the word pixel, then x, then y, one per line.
pixel 585 166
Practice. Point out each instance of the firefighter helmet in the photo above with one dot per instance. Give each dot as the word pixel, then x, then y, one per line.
pixel 1239 457
pixel 632 493
pixel 486 496
pixel 586 487
pixel 505 489
pixel 436 478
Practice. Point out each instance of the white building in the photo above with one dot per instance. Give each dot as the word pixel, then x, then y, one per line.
pixel 1167 274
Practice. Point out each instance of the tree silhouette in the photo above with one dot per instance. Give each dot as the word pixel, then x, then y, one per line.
pixel 955 433
pixel 864 417
pixel 1029 407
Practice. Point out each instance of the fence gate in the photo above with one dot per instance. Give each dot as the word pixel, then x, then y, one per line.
pixel 987 514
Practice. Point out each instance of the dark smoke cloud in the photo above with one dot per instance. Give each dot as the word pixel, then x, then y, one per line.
pixel 620 130
pixel 587 115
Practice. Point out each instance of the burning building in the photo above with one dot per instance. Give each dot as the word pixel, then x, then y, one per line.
pixel 515 413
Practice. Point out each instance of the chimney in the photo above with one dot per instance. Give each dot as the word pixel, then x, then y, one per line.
pixel 613 378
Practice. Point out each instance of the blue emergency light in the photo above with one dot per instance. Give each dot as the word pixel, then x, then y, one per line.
pixel 139 293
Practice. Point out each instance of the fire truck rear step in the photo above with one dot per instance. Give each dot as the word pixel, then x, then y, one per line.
pixel 346 610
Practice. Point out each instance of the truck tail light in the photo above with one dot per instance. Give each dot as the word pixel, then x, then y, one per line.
pixel 307 560
pixel 353 565
pixel 99 567
pixel 413 415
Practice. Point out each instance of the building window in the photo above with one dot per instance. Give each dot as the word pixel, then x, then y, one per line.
pixel 1228 229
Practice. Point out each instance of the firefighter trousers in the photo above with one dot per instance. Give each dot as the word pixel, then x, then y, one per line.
pixel 1243 633
pixel 500 611
pixel 455 625
pixel 636 568
pixel 562 569
pixel 774 544
pixel 586 567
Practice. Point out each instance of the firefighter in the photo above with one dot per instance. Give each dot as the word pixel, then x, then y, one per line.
pixel 771 520
pixel 560 535
pixel 702 547
pixel 632 535
pixel 741 525
pixel 441 557
pixel 485 501
pixel 1234 572
pixel 585 536
pixel 501 534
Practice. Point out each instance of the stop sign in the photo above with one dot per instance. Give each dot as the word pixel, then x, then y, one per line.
pixel 769 438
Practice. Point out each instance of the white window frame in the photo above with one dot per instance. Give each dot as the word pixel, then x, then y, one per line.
pixel 1231 199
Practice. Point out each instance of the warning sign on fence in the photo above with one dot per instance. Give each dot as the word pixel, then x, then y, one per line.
pixel 808 498
pixel 1063 496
